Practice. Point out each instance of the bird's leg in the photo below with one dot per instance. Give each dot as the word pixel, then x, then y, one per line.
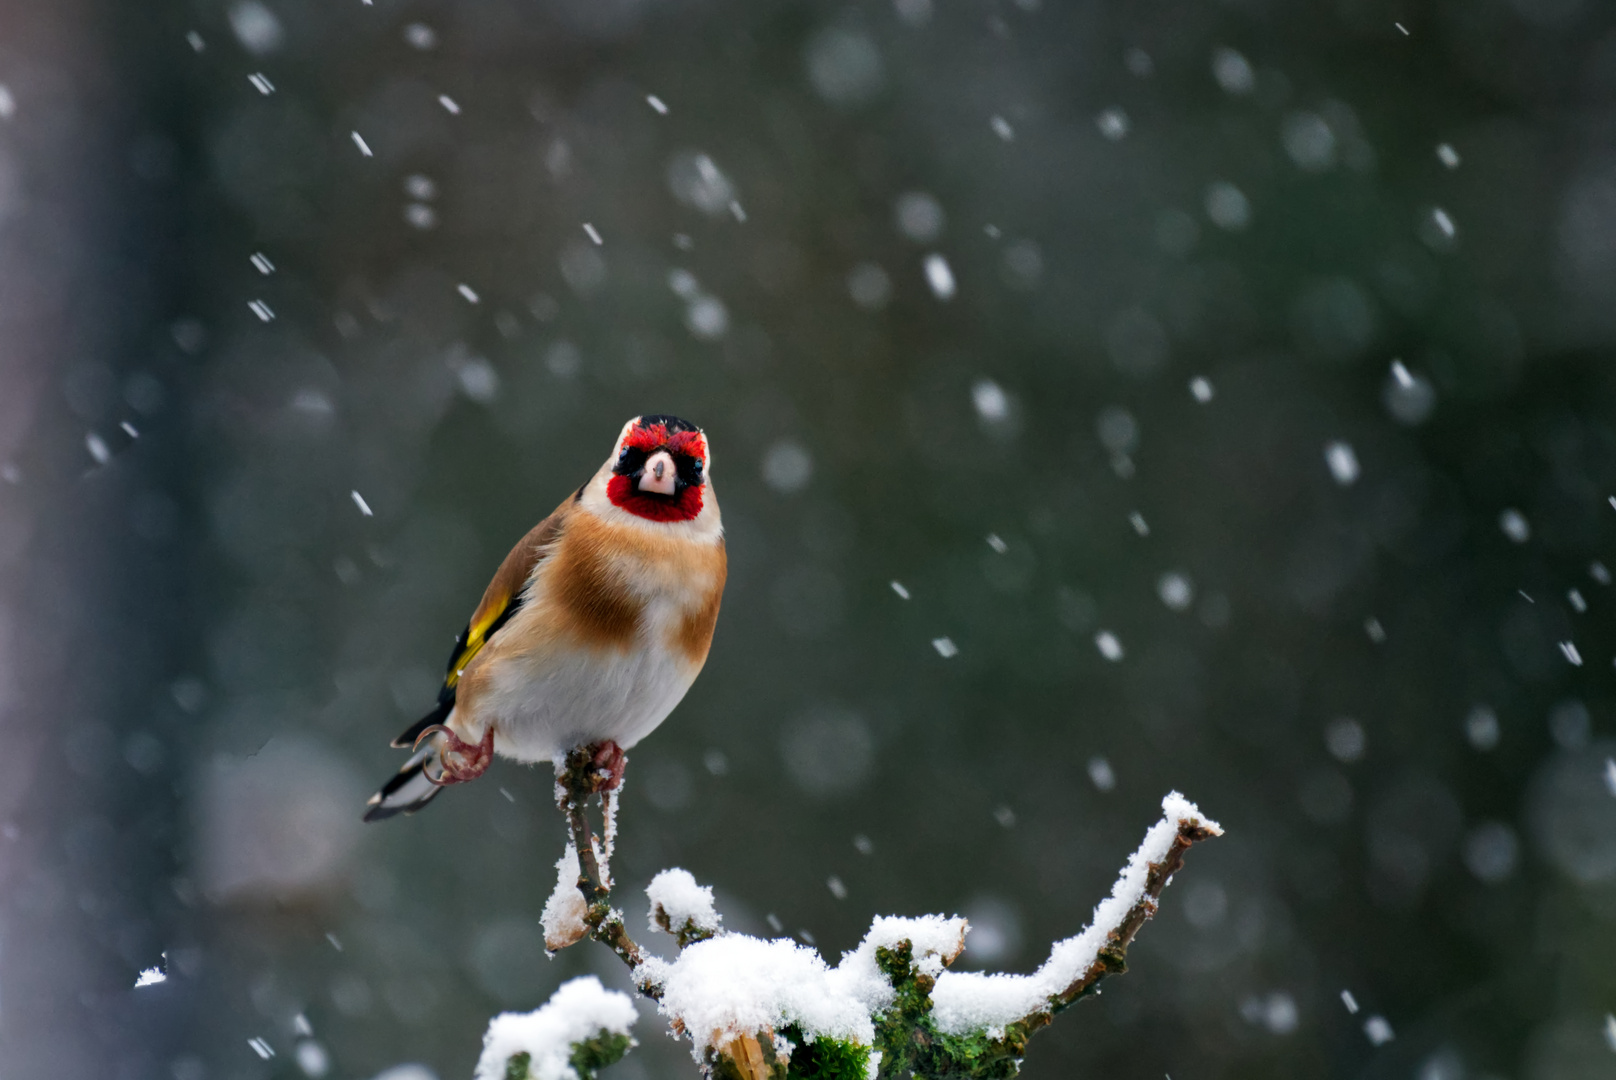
pixel 609 760
pixel 460 760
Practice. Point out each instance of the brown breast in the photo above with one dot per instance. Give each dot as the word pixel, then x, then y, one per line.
pixel 695 634
pixel 601 573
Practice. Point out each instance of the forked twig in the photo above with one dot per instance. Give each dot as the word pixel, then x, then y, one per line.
pixel 578 782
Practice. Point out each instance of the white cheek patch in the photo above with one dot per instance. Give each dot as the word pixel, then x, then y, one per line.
pixel 622 438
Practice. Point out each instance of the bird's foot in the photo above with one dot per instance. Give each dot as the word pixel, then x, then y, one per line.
pixel 590 770
pixel 458 760
pixel 609 761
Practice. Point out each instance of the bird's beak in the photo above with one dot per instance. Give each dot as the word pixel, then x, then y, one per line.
pixel 659 474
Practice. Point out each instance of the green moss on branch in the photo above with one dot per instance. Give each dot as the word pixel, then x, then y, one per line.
pixel 587 1059
pixel 592 1055
pixel 825 1058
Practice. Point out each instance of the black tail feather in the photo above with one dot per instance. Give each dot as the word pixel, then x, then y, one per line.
pixel 409 790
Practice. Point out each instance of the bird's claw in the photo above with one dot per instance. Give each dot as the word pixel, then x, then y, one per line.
pixel 590 770
pixel 608 760
pixel 458 760
pixel 427 733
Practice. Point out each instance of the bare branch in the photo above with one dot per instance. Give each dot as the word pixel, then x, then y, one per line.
pixel 579 779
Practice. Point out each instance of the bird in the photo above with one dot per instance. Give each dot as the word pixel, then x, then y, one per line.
pixel 592 629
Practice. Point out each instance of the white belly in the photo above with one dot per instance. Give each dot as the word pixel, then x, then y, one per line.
pixel 543 705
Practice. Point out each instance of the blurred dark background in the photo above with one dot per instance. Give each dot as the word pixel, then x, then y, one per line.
pixel 1106 397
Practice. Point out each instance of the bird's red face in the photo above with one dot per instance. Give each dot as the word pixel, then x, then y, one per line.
pixel 661 469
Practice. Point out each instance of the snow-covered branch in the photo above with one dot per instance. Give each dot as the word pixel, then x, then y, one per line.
pixel 582 1028
pixel 774 1010
pixel 681 907
pixel 1005 1010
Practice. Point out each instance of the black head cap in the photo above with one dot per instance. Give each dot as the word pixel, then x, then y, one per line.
pixel 673 424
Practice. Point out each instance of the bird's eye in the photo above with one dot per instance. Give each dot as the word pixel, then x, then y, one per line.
pixel 629 459
pixel 689 466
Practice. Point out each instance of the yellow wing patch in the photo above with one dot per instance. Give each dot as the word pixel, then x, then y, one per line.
pixel 476 635
pixel 503 597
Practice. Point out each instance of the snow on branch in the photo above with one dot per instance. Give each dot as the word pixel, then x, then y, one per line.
pixel 774 1010
pixel 565 912
pixel 720 990
pixel 681 907
pixel 967 1002
pixel 582 1028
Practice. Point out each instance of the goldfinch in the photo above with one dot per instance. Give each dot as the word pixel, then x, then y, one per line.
pixel 593 628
